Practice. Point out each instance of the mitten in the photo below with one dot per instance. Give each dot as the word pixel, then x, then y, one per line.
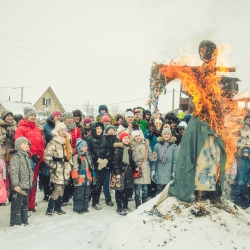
pixel 35 158
pixel 153 175
pixel 102 163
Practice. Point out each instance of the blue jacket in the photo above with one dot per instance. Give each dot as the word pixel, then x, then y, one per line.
pixel 47 128
pixel 243 171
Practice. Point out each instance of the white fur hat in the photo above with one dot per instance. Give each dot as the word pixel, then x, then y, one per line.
pixel 135 133
pixel 129 113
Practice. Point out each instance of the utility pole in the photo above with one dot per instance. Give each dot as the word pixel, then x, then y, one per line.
pixel 173 99
pixel 21 94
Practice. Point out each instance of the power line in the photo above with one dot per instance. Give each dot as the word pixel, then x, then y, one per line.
pixel 78 52
pixel 105 65
pixel 71 66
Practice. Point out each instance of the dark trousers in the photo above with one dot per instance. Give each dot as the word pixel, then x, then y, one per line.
pixel 152 189
pixel 95 194
pixel 68 191
pixel 40 183
pixel 160 188
pixel 46 186
pixel 240 195
pixel 19 208
pixel 81 198
pixel 121 197
pixel 106 184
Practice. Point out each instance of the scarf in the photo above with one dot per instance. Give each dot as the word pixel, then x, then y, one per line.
pixel 84 156
pixel 70 126
pixel 125 156
pixel 164 150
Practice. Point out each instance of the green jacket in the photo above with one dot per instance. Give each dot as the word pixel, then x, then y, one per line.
pixel 192 142
pixel 143 124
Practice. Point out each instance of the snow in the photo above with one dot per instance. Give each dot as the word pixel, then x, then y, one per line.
pixel 17 107
pixel 106 230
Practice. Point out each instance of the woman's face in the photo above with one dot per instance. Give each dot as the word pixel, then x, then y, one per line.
pixel 32 118
pixel 69 120
pixel 166 137
pixel 9 119
pixel 62 132
pixel 138 138
pixel 98 130
pixel 130 119
pixel 57 118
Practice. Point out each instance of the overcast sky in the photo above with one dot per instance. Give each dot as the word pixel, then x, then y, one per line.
pixel 102 51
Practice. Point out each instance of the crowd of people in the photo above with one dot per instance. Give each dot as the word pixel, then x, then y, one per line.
pixel 76 156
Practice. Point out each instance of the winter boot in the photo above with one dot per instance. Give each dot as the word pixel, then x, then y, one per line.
pixel 97 206
pixel 50 208
pixel 137 202
pixel 144 199
pixel 109 202
pixel 58 204
pixel 120 211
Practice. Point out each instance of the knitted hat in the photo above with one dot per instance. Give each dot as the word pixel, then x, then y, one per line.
pixel 60 125
pixel 105 118
pixel 20 141
pixel 86 120
pixel 246 150
pixel 103 107
pixel 67 115
pixel 123 134
pixel 78 113
pixel 55 113
pixel 28 111
pixel 108 128
pixel 166 130
pixel 182 124
pixel 135 133
pixel 79 144
pixel 129 113
pixel 6 113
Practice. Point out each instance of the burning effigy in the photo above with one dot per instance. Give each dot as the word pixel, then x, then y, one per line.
pixel 210 140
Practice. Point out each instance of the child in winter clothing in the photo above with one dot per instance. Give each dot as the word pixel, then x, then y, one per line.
pixel 58 155
pixel 21 176
pixel 141 154
pixel 240 190
pixel 167 155
pixel 103 110
pixel 111 138
pixel 123 164
pixel 86 127
pixel 83 174
pixel 97 149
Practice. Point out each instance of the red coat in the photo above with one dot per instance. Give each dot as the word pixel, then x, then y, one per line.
pixel 33 134
pixel 74 135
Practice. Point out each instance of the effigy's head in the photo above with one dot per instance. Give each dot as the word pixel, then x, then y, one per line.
pixel 208 52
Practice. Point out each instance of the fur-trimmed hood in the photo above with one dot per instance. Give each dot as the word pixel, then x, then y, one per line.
pixel 171 140
pixel 240 151
pixel 120 145
pixel 133 144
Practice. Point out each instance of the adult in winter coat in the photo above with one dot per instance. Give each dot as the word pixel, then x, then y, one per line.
pixel 97 149
pixel 139 119
pixel 78 117
pixel 118 120
pixel 75 133
pixel 103 109
pixel 86 127
pixel 240 190
pixel 167 155
pixel 111 138
pixel 58 156
pixel 55 117
pixel 27 128
pixel 123 164
pixel 7 133
pixel 141 154
pixel 21 177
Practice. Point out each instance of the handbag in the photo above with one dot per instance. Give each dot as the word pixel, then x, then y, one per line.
pixel 117 183
pixel 138 174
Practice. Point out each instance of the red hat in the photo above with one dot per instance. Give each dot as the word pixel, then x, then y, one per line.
pixel 86 120
pixel 123 134
pixel 105 118
pixel 55 113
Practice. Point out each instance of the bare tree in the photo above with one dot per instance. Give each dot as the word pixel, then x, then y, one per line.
pixel 89 108
pixel 114 110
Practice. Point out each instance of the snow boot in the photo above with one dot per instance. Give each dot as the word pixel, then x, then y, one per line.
pixel 109 202
pixel 137 202
pixel 58 204
pixel 144 199
pixel 97 206
pixel 50 208
pixel 120 211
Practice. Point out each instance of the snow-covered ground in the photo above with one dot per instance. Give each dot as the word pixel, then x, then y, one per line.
pixel 106 230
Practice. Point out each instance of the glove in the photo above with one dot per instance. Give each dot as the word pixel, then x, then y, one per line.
pixel 35 158
pixel 102 163
pixel 153 175
pixel 75 181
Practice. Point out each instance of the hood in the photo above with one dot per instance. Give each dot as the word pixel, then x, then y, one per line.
pixel 171 140
pixel 50 122
pixel 93 129
pixel 240 151
pixel 26 123
pixel 120 145
pixel 4 123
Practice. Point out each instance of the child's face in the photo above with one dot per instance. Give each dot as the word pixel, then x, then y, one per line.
pixel 87 124
pixel 103 111
pixel 69 120
pixel 138 138
pixel 130 119
pixel 62 132
pixel 125 140
pixel 166 137
pixel 84 149
pixel 246 154
pixel 25 146
pixel 98 130
pixel 111 132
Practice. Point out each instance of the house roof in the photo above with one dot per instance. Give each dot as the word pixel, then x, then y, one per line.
pixel 30 94
pixel 16 107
